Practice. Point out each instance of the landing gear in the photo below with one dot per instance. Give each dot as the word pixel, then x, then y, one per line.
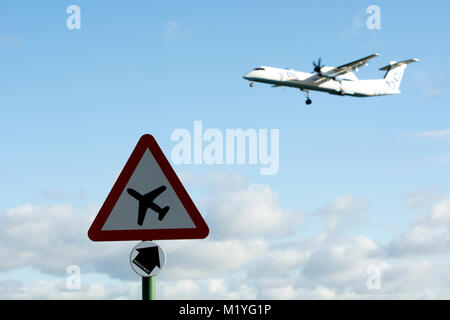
pixel 308 100
pixel 251 84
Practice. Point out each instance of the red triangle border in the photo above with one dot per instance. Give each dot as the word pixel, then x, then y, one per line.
pixel 96 233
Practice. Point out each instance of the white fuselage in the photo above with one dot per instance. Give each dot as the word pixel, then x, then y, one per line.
pixel 346 84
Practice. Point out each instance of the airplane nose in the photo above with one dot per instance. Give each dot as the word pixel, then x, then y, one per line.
pixel 247 76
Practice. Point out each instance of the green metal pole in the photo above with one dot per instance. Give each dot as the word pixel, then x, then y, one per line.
pixel 149 288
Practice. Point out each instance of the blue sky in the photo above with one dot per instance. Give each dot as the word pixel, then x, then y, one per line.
pixel 75 102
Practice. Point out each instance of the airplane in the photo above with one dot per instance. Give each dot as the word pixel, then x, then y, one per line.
pixel 146 202
pixel 340 80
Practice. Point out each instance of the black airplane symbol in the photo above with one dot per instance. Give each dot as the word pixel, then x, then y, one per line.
pixel 146 201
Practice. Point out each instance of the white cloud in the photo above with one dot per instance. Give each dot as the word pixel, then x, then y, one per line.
pixel 289 292
pixel 171 30
pixel 430 83
pixel 214 288
pixel 60 232
pixel 416 278
pixel 201 259
pixel 444 133
pixel 183 288
pixel 51 238
pixel 245 211
pixel 343 264
pixel 342 211
pixel 227 265
pixel 57 290
pixel 429 233
pixel 440 212
pixel 424 198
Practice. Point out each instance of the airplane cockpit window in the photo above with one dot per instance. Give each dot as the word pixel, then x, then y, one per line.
pixel 259 68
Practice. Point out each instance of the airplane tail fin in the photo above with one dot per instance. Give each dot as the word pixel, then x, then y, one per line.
pixel 163 213
pixel 394 73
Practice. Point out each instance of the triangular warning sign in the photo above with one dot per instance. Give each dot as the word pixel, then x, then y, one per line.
pixel 148 202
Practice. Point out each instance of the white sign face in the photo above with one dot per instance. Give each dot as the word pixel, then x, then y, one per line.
pixel 148 202
pixel 147 259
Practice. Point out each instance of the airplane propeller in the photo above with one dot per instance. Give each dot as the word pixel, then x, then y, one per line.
pixel 318 66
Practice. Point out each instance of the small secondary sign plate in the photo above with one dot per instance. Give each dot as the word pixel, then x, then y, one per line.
pixel 147 259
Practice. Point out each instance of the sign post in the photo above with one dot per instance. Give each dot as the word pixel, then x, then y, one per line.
pixel 149 288
pixel 148 201
pixel 147 259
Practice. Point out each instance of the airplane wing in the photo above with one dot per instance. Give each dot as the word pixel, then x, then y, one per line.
pixel 155 193
pixel 357 63
pixel 348 67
